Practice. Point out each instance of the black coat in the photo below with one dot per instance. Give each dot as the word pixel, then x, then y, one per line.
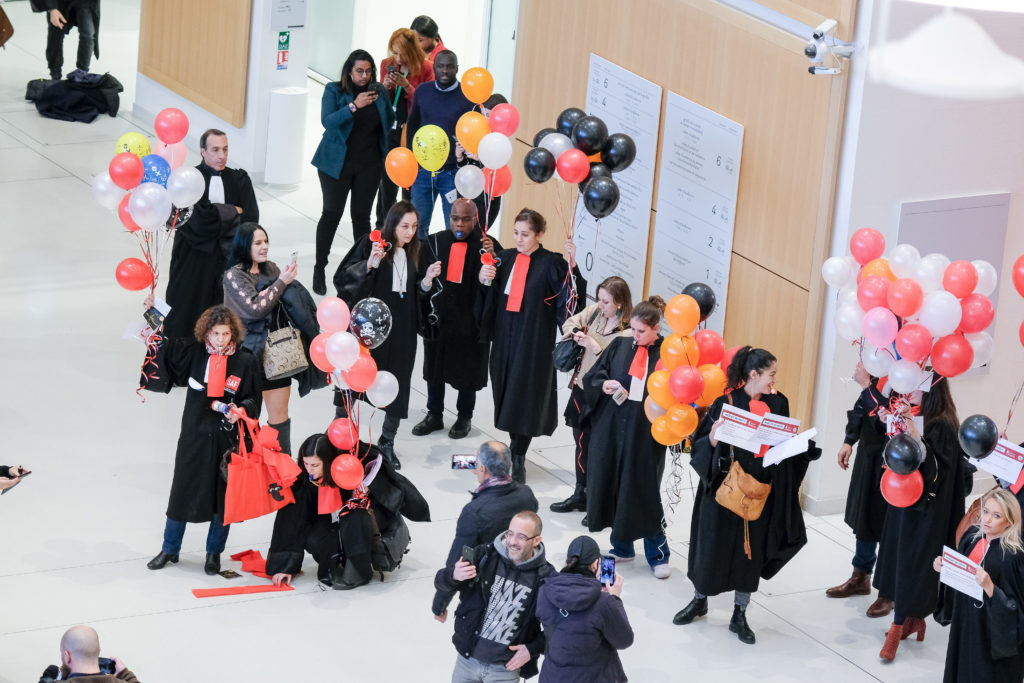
pixel 200 247
pixel 913 536
pixel 986 641
pixel 865 505
pixel 488 514
pixel 70 10
pixel 299 528
pixel 522 370
pixel 624 462
pixel 80 101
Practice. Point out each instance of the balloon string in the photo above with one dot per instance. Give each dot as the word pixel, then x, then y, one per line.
pixel 1013 404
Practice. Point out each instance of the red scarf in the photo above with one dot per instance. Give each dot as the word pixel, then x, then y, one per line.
pixel 328 499
pixel 979 550
pixel 217 370
pixel 456 262
pixel 515 293
pixel 638 368
pixel 759 408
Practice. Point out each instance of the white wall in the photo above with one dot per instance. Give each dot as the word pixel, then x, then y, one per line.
pixel 909 148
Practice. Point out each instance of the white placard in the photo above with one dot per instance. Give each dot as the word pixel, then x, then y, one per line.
pixel 286 14
pixel 617 244
pixel 1004 462
pixel 697 188
pixel 958 572
pixel 787 449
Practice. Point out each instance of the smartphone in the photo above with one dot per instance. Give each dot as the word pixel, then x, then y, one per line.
pixel 464 462
pixel 607 575
pixel 107 666
pixel 392 68
pixel 468 555
pixel 295 256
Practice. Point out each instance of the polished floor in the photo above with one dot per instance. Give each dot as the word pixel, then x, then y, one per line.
pixel 77 534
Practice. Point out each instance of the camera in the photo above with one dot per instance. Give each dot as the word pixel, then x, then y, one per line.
pixel 818 49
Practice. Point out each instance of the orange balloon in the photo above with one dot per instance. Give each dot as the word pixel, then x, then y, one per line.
pixel 714 384
pixel 678 349
pixel 682 314
pixel 682 419
pixel 470 130
pixel 401 166
pixel 662 432
pixel 477 85
pixel 594 158
pixel 879 267
pixel 657 387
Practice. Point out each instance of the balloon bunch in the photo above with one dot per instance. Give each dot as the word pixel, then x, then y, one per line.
pixel 912 310
pixel 688 374
pixel 581 151
pixel 1018 284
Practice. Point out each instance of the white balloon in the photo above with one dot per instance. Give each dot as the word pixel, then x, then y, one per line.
pixel 903 260
pixel 837 272
pixel 847 297
pixel 469 181
pixel 106 193
pixel 905 376
pixel 556 143
pixel 940 313
pixel 987 279
pixel 150 206
pixel 185 186
pixel 384 389
pixel 877 361
pixel 850 322
pixel 342 350
pixel 939 259
pixel 929 273
pixel 495 150
pixel 981 343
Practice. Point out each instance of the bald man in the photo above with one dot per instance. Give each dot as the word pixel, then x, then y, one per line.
pixel 80 658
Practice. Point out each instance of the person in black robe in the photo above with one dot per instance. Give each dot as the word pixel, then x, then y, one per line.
pixel 912 536
pixel 521 313
pixel 201 244
pixel 718 559
pixel 452 351
pixel 215 368
pixel 986 641
pixel 403 280
pixel 625 463
pixel 865 505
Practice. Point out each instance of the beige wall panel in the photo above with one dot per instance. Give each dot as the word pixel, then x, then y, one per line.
pixel 813 12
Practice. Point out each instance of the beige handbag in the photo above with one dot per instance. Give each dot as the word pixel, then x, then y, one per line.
pixel 284 355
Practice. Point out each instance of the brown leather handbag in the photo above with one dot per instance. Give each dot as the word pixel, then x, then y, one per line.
pixel 6 28
pixel 745 496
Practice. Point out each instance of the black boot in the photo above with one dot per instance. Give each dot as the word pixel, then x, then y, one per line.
pixel 519 467
pixel 212 565
pixel 319 281
pixel 460 430
pixel 698 607
pixel 585 521
pixel 161 560
pixel 431 423
pixel 739 626
pixel 387 449
pixel 577 502
pixel 284 435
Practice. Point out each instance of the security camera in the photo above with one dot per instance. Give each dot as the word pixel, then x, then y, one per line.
pixel 822 46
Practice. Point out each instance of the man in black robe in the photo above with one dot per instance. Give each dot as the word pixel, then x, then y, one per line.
pixel 201 244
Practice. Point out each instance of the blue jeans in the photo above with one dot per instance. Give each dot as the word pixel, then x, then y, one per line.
pixel 655 549
pixel 469 670
pixel 424 194
pixel 216 537
pixel 864 557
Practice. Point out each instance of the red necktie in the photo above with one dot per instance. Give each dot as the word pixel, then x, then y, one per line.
pixel 456 262
pixel 638 368
pixel 978 552
pixel 760 408
pixel 215 380
pixel 515 293
pixel 328 500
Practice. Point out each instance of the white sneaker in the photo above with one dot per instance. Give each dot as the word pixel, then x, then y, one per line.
pixel 661 571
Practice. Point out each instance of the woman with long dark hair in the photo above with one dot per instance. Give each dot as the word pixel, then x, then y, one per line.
pixel 357 117
pixel 428 35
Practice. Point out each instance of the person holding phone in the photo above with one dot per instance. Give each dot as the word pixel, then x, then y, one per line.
pixel 357 116
pixel 11 476
pixel 584 619
pixel 80 659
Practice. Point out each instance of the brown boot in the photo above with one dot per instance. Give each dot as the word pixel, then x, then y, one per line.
pixel 892 642
pixel 858 584
pixel 880 607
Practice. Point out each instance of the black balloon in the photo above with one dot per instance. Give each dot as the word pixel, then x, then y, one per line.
pixel 704 296
pixel 567 119
pixel 597 170
pixel 903 454
pixel 540 135
pixel 600 197
pixel 539 165
pixel 589 135
pixel 370 322
pixel 978 436
pixel 618 152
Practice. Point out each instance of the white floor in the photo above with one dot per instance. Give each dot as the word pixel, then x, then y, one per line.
pixel 77 534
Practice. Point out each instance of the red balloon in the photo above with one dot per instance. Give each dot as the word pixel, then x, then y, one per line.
pixel 318 353
pixel 952 355
pixel 504 119
pixel 872 292
pixel 572 166
pixel 866 245
pixel 125 216
pixel 497 182
pixel 1018 275
pixel 711 346
pixel 960 278
pixel 133 274
pixel 171 125
pixel 727 358
pixel 904 297
pixel 360 376
pixel 1020 334
pixel 343 433
pixel 347 471
pixel 914 342
pixel 126 170
pixel 686 383
pixel 976 313
pixel 902 490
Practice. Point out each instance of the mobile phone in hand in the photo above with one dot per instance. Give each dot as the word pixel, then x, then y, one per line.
pixel 295 257
pixel 464 462
pixel 468 555
pixel 392 68
pixel 107 666
pixel 607 573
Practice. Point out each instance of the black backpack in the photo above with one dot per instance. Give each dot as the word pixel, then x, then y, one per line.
pixel 390 541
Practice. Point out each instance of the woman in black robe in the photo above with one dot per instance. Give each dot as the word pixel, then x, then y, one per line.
pixel 913 536
pixel 718 561
pixel 986 641
pixel 403 280
pixel 625 463
pixel 521 312
pixel 214 368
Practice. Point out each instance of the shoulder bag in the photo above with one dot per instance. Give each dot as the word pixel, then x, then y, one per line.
pixel 568 354
pixel 6 29
pixel 284 355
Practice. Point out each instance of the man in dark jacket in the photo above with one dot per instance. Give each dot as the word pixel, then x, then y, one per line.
pixel 80 659
pixel 497 634
pixel 494 502
pixel 61 17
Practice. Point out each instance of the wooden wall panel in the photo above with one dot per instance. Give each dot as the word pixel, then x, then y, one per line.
pixel 200 50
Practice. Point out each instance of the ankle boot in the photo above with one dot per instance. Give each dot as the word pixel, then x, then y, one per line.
pixel 739 626
pixel 914 625
pixel 431 423
pixel 519 467
pixel 387 449
pixel 284 435
pixel 212 565
pixel 892 642
pixel 698 607
pixel 858 584
pixel 319 281
pixel 576 502
pixel 880 607
pixel 161 560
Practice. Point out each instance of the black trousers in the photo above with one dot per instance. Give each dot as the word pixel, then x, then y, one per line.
pixel 55 41
pixel 359 180
pixel 435 400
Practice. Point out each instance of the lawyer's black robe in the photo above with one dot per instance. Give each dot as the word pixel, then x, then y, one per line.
pixel 912 537
pixel 200 247
pixel 522 370
pixel 397 354
pixel 717 562
pixel 986 643
pixel 624 462
pixel 299 527
pixel 452 351
pixel 865 505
